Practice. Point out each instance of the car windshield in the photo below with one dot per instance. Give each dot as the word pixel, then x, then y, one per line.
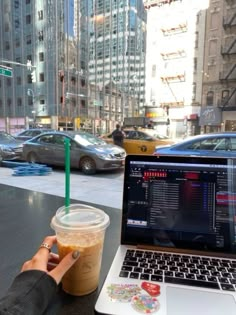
pixel 6 137
pixel 87 139
pixel 153 133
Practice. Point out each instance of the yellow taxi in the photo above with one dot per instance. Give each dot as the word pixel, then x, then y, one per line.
pixel 141 140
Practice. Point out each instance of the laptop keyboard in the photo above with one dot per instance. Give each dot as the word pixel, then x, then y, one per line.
pixel 212 273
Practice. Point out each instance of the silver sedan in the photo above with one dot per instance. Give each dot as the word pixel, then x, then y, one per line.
pixel 87 152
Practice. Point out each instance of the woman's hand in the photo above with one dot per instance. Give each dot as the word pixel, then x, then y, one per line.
pixel 46 261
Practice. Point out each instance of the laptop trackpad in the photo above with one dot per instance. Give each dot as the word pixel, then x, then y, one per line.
pixel 186 301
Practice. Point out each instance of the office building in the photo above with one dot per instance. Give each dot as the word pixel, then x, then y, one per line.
pixel 117 47
pixel 219 77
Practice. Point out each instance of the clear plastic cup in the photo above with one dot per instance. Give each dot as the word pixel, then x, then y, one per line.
pixel 81 227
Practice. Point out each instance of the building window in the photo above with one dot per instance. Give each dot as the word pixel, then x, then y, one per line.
pixel 9 102
pixel 40 36
pixel 194 91
pixel 6 27
pixel 30 100
pixel 224 96
pixel 41 56
pixel 210 98
pixel 7 45
pixel 9 81
pixel 27 1
pixel 17 23
pixel 195 64
pixel 40 14
pixel 28 19
pixel 196 39
pixel 42 102
pixel 16 4
pixel 28 39
pixel 18 80
pixel 153 71
pixel 214 20
pixel 29 57
pixel 213 47
pixel 41 77
pixel 19 101
pixel 29 78
pixel 17 42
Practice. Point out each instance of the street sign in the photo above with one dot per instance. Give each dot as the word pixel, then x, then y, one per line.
pixel 6 72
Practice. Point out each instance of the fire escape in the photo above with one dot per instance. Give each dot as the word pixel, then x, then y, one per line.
pixel 173 76
pixel 228 75
pixel 157 3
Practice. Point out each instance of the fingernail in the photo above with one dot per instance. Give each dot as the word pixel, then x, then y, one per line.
pixel 75 254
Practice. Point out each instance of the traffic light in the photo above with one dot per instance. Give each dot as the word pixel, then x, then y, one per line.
pixel 33 76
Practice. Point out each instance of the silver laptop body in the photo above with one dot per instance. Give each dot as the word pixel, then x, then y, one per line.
pixel 177 252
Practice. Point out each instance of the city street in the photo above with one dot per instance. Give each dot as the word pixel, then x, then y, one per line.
pixel 104 188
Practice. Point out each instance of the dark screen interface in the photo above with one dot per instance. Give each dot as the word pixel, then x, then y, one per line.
pixel 182 205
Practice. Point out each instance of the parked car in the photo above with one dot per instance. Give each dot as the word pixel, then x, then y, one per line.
pixel 30 133
pixel 141 140
pixel 214 144
pixel 88 153
pixel 10 148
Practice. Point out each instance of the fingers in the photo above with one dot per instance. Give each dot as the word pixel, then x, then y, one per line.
pixel 66 263
pixel 40 259
pixel 49 241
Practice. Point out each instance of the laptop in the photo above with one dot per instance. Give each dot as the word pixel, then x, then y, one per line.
pixel 178 239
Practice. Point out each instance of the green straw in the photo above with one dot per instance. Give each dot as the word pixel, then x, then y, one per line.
pixel 67 169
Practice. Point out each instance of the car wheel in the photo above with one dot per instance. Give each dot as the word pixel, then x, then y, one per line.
pixel 88 166
pixel 32 157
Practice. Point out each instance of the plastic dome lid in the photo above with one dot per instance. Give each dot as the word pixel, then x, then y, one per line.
pixel 81 218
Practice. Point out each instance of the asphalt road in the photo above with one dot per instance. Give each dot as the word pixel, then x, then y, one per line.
pixel 104 188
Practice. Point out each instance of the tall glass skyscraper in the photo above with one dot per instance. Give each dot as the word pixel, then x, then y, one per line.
pixel 117 45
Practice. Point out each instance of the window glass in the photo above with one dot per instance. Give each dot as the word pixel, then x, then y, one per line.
pixel 59 139
pixel 233 144
pixel 46 139
pixel 208 144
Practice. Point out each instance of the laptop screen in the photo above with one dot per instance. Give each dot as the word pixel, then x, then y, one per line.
pixel 181 202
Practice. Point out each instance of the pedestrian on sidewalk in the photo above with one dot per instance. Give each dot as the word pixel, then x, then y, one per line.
pixel 118 136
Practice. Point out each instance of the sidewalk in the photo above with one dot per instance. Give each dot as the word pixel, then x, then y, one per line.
pixel 103 188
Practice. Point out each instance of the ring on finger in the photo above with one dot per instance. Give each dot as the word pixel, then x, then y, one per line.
pixel 45 245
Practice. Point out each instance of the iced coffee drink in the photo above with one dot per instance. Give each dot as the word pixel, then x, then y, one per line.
pixel 82 228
